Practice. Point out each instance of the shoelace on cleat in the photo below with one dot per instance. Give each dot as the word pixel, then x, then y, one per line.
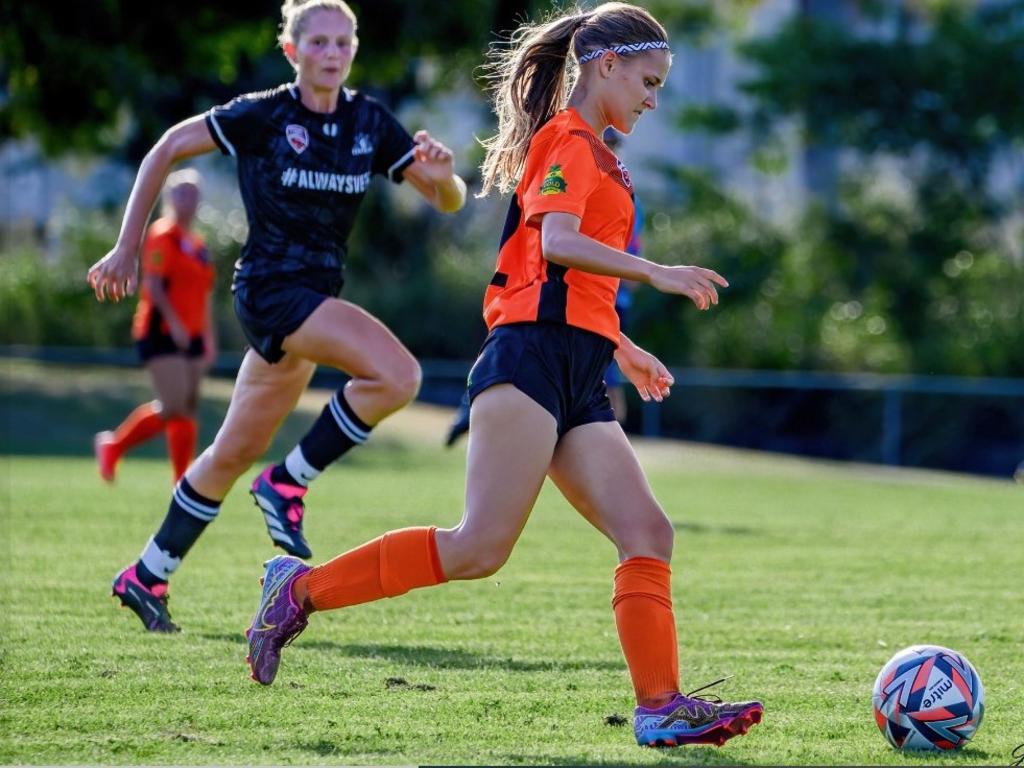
pixel 712 697
pixel 709 699
pixel 291 637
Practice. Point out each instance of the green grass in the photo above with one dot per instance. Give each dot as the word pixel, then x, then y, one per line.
pixel 798 578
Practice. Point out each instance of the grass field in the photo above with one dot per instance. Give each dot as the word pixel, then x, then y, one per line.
pixel 798 578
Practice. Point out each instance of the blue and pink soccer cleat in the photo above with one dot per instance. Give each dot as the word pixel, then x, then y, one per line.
pixel 279 619
pixel 687 720
pixel 283 510
pixel 148 603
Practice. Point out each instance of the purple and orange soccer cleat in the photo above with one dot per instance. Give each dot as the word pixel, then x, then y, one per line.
pixel 283 511
pixel 148 603
pixel 279 619
pixel 687 720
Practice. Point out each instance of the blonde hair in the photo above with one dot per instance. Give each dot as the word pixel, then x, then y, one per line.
pixel 533 73
pixel 180 178
pixel 294 13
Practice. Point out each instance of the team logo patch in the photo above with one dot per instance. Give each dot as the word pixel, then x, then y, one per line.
pixel 298 137
pixel 625 174
pixel 362 145
pixel 554 183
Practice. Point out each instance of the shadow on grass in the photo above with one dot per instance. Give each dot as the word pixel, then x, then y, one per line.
pixel 666 756
pixel 969 754
pixel 430 656
pixel 448 658
pixel 325 748
pixel 730 530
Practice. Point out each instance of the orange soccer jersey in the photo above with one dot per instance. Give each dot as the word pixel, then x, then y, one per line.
pixel 568 170
pixel 181 259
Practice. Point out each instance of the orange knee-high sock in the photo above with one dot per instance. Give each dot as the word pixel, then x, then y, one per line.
pixel 388 566
pixel 139 426
pixel 642 602
pixel 181 443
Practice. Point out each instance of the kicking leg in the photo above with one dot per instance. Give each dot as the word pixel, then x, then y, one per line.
pixel 510 447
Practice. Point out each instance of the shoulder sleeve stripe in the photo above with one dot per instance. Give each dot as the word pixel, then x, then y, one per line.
pixel 221 136
pixel 401 163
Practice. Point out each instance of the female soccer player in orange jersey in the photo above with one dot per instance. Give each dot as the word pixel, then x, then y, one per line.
pixel 306 152
pixel 539 406
pixel 173 332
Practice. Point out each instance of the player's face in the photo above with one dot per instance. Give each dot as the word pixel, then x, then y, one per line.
pixel 324 53
pixel 633 87
pixel 185 201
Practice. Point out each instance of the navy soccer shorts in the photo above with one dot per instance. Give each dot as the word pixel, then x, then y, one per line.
pixel 558 366
pixel 271 309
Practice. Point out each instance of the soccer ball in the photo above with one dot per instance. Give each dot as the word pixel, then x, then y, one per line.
pixel 928 697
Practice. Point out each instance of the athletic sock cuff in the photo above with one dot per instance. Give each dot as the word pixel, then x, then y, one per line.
pixel 645 577
pixel 195 503
pixel 354 428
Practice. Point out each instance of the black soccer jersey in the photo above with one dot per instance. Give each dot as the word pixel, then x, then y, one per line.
pixel 303 174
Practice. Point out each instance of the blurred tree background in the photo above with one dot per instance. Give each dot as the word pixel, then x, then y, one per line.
pixel 923 275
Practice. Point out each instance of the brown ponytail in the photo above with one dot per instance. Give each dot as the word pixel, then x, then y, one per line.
pixel 532 75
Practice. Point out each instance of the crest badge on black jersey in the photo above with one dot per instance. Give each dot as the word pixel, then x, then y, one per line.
pixel 298 137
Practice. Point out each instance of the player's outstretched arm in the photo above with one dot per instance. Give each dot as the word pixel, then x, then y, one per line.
pixel 562 243
pixel 644 371
pixel 433 174
pixel 116 274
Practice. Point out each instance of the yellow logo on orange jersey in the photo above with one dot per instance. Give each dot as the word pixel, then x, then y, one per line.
pixel 554 183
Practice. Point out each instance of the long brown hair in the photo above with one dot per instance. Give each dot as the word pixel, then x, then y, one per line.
pixel 532 75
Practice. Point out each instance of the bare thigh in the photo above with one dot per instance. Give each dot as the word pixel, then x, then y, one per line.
pixel 511 441
pixel 173 381
pixel 264 395
pixel 597 471
pixel 385 375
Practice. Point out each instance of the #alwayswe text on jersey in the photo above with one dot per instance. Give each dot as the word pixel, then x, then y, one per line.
pixel 345 183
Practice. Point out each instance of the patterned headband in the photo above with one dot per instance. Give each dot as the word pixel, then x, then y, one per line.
pixel 629 48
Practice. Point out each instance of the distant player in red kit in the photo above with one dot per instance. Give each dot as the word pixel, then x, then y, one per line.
pixel 173 332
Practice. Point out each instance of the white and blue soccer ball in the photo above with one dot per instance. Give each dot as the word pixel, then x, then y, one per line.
pixel 928 697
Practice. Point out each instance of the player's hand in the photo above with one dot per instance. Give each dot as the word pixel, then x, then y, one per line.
pixel 645 372
pixel 696 283
pixel 438 161
pixel 115 275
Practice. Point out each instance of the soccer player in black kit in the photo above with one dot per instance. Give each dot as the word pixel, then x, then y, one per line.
pixel 306 152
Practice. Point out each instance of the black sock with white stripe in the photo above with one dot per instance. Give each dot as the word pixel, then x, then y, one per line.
pixel 336 431
pixel 187 518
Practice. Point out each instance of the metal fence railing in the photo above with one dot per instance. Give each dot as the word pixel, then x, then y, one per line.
pixel 892 389
pixel 444 381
